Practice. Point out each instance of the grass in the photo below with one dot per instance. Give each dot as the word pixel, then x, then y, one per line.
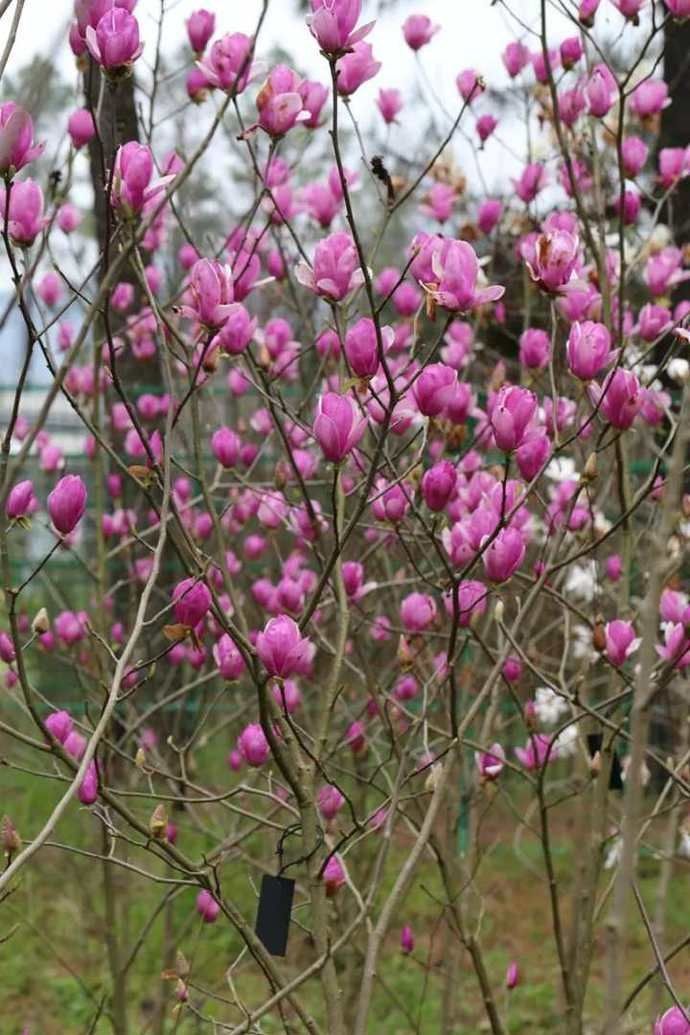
pixel 54 972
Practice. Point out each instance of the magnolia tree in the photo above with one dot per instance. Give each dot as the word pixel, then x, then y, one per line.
pixel 379 526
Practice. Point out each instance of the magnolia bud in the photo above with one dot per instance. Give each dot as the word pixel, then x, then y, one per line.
pixel 595 764
pixel 41 622
pixel 158 822
pixel 434 775
pixel 181 964
pixel 11 841
pixel 589 472
pixel 140 759
pixel 529 713
pixel 499 611
pixel 599 635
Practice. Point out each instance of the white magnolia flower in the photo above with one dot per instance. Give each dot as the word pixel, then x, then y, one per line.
pixel 582 580
pixel 678 370
pixel 566 741
pixel 614 853
pixel 581 645
pixel 549 706
pixel 561 469
pixel 684 844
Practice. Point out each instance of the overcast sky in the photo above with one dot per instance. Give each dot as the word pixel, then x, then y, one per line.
pixel 473 34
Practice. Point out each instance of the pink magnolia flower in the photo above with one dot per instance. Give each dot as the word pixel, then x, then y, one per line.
pixel 504 555
pixel 472 597
pixel 674 163
pixel 67 503
pixel 225 446
pixel 282 649
pixel 489 214
pixel 470 85
pixel 80 127
pixel 333 24
pixel 587 11
pixel 649 98
pixel 532 453
pixel 588 349
pixel 434 388
pixel 355 68
pixel 629 206
pixel 21 501
pixel 228 64
pixel 330 801
pixel 391 503
pixel 634 153
pixel 512 976
pixel 237 331
pixel 68 218
pixel 490 763
pixel 133 185
pixel 674 1021
pixel 673 607
pixel 554 260
pixel 440 202
pixel 253 745
pixel 210 293
pixel 486 124
pixel 418 30
pixel 438 485
pixel 228 658
pixel 537 752
pixel 571 104
pixel 114 42
pixel 676 648
pixel 49 288
pixel 200 26
pixel 417 612
pixel 314 96
pixel 390 104
pixel 336 271
pixel 333 875
pixel 454 275
pixel 355 737
pixel 571 51
pixel 87 792
pixel 17 146
pixel 663 270
pixel 279 102
pixel 511 414
pixel 532 179
pixel 541 67
pixel 679 9
pixel 621 641
pixel 361 346
pixel 515 57
pixel 207 907
pixel 7 651
pixel 25 211
pixel 338 425
pixel 191 601
pixel 630 9
pixel 600 91
pixel 535 348
pixel 406 940
pixel 620 398
pixel 59 725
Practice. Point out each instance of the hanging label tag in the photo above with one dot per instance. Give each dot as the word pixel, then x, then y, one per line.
pixel 273 914
pixel 594 742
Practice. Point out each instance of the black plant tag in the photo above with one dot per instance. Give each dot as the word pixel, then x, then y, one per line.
pixel 273 914
pixel 594 742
